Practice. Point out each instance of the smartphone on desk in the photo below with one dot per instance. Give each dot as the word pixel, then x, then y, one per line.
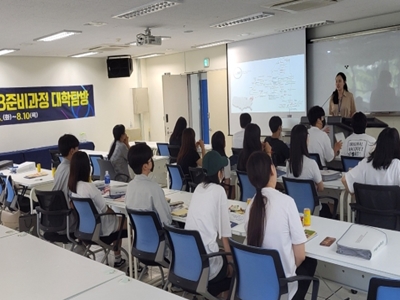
pixel 328 241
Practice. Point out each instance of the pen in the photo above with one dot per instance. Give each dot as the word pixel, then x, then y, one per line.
pixel 39 179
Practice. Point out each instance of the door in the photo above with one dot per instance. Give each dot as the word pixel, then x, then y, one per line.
pixel 176 101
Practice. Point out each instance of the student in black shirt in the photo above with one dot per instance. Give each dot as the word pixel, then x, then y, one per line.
pixel 188 156
pixel 280 151
pixel 176 136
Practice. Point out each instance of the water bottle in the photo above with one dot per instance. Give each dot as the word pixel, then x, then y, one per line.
pixel 107 179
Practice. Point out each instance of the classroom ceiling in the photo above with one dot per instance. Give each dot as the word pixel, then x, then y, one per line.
pixel 188 24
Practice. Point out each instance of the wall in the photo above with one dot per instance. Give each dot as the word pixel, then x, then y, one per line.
pixel 112 99
pixel 152 70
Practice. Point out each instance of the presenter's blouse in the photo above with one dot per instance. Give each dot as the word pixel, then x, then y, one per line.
pixel 345 108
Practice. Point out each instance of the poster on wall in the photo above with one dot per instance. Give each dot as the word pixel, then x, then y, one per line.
pixel 20 105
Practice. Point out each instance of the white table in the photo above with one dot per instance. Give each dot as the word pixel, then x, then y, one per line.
pixel 5 231
pixel 46 271
pixel 126 288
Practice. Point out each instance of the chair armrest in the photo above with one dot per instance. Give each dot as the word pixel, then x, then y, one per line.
pixel 53 213
pixel 216 254
pixel 315 280
pixel 355 206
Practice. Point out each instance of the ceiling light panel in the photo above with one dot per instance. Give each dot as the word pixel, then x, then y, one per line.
pixel 149 55
pixel 150 8
pixel 309 25
pixel 212 44
pixel 243 20
pixel 57 35
pixel 7 51
pixel 84 54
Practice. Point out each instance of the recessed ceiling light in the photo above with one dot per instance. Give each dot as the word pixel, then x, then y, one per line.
pixel 149 55
pixel 309 25
pixel 212 44
pixel 57 35
pixel 7 50
pixel 84 54
pixel 95 24
pixel 148 9
pixel 243 20
pixel 188 31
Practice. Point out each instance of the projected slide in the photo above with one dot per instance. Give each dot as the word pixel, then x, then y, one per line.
pixel 269 85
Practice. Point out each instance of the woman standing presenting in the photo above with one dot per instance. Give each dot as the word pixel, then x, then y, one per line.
pixel 342 101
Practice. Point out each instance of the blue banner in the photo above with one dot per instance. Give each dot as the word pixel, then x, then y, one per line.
pixel 41 104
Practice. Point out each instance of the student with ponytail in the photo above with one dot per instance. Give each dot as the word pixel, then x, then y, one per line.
pixel 273 222
pixel 118 154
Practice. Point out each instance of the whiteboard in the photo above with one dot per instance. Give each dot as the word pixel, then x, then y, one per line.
pixel 371 64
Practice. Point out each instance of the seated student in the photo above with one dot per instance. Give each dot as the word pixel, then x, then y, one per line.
pixel 80 187
pixel 218 144
pixel 358 144
pixel 300 165
pixel 188 156
pixel 272 222
pixel 118 154
pixel 319 141
pixel 279 149
pixel 382 167
pixel 143 193
pixel 176 136
pixel 209 215
pixel 251 143
pixel 237 139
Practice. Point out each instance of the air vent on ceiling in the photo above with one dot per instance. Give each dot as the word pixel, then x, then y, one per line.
pixel 105 48
pixel 300 5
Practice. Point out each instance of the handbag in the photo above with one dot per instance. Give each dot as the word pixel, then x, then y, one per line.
pixel 10 219
pixel 28 223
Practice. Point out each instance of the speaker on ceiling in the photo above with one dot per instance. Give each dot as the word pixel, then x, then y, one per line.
pixel 119 66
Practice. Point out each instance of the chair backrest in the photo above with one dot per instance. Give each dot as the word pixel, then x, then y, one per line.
pixel 176 177
pixel 52 201
pixel 2 189
pixel 173 152
pixel 96 173
pixel 137 143
pixel 303 192
pixel 236 151
pixel 11 196
pixel 350 162
pixel 317 158
pixel 188 269
pixel 383 289
pixel 377 206
pixel 247 190
pixel 149 239
pixel 257 272
pixel 87 218
pixel 55 158
pixel 106 165
pixel 163 149
pixel 196 176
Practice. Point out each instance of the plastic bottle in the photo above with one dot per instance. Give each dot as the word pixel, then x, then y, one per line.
pixel 107 179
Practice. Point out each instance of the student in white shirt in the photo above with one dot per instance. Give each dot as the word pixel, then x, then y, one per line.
pixel 382 167
pixel 209 215
pixel 80 187
pixel 319 141
pixel 143 193
pixel 300 165
pixel 237 139
pixel 358 144
pixel 273 222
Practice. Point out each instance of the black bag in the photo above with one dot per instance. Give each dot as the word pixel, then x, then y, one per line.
pixel 28 223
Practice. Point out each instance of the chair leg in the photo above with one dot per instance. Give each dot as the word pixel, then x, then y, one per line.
pixel 142 273
pixel 162 275
pixel 165 285
pixel 105 258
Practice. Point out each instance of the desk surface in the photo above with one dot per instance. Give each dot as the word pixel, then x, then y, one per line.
pixel 47 271
pixel 153 145
pixel 105 154
pixel 30 183
pixel 5 231
pixel 126 288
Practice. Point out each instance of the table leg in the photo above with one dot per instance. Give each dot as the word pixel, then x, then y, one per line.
pixel 129 229
pixel 341 204
pixel 348 200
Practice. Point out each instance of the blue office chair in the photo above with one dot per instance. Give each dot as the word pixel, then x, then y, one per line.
pixel 88 228
pixel 305 194
pixel 95 165
pixel 350 162
pixel 55 158
pixel 163 149
pixel 173 153
pixel 148 241
pixel 196 177
pixel 383 289
pixel 259 274
pixel 11 196
pixel 177 180
pixel 2 189
pixel 317 158
pixel 247 190
pixel 189 268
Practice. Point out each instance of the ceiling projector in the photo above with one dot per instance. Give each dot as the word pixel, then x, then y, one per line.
pixel 143 39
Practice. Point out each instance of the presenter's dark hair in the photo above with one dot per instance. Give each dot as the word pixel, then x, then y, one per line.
pixel 218 142
pixel 188 144
pixel 79 170
pixel 251 143
pixel 387 148
pixel 359 123
pixel 118 131
pixel 245 119
pixel 335 93
pixel 180 126
pixel 315 113
pixel 274 123
pixel 298 148
pixel 259 172
pixel 139 155
pixel 66 143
